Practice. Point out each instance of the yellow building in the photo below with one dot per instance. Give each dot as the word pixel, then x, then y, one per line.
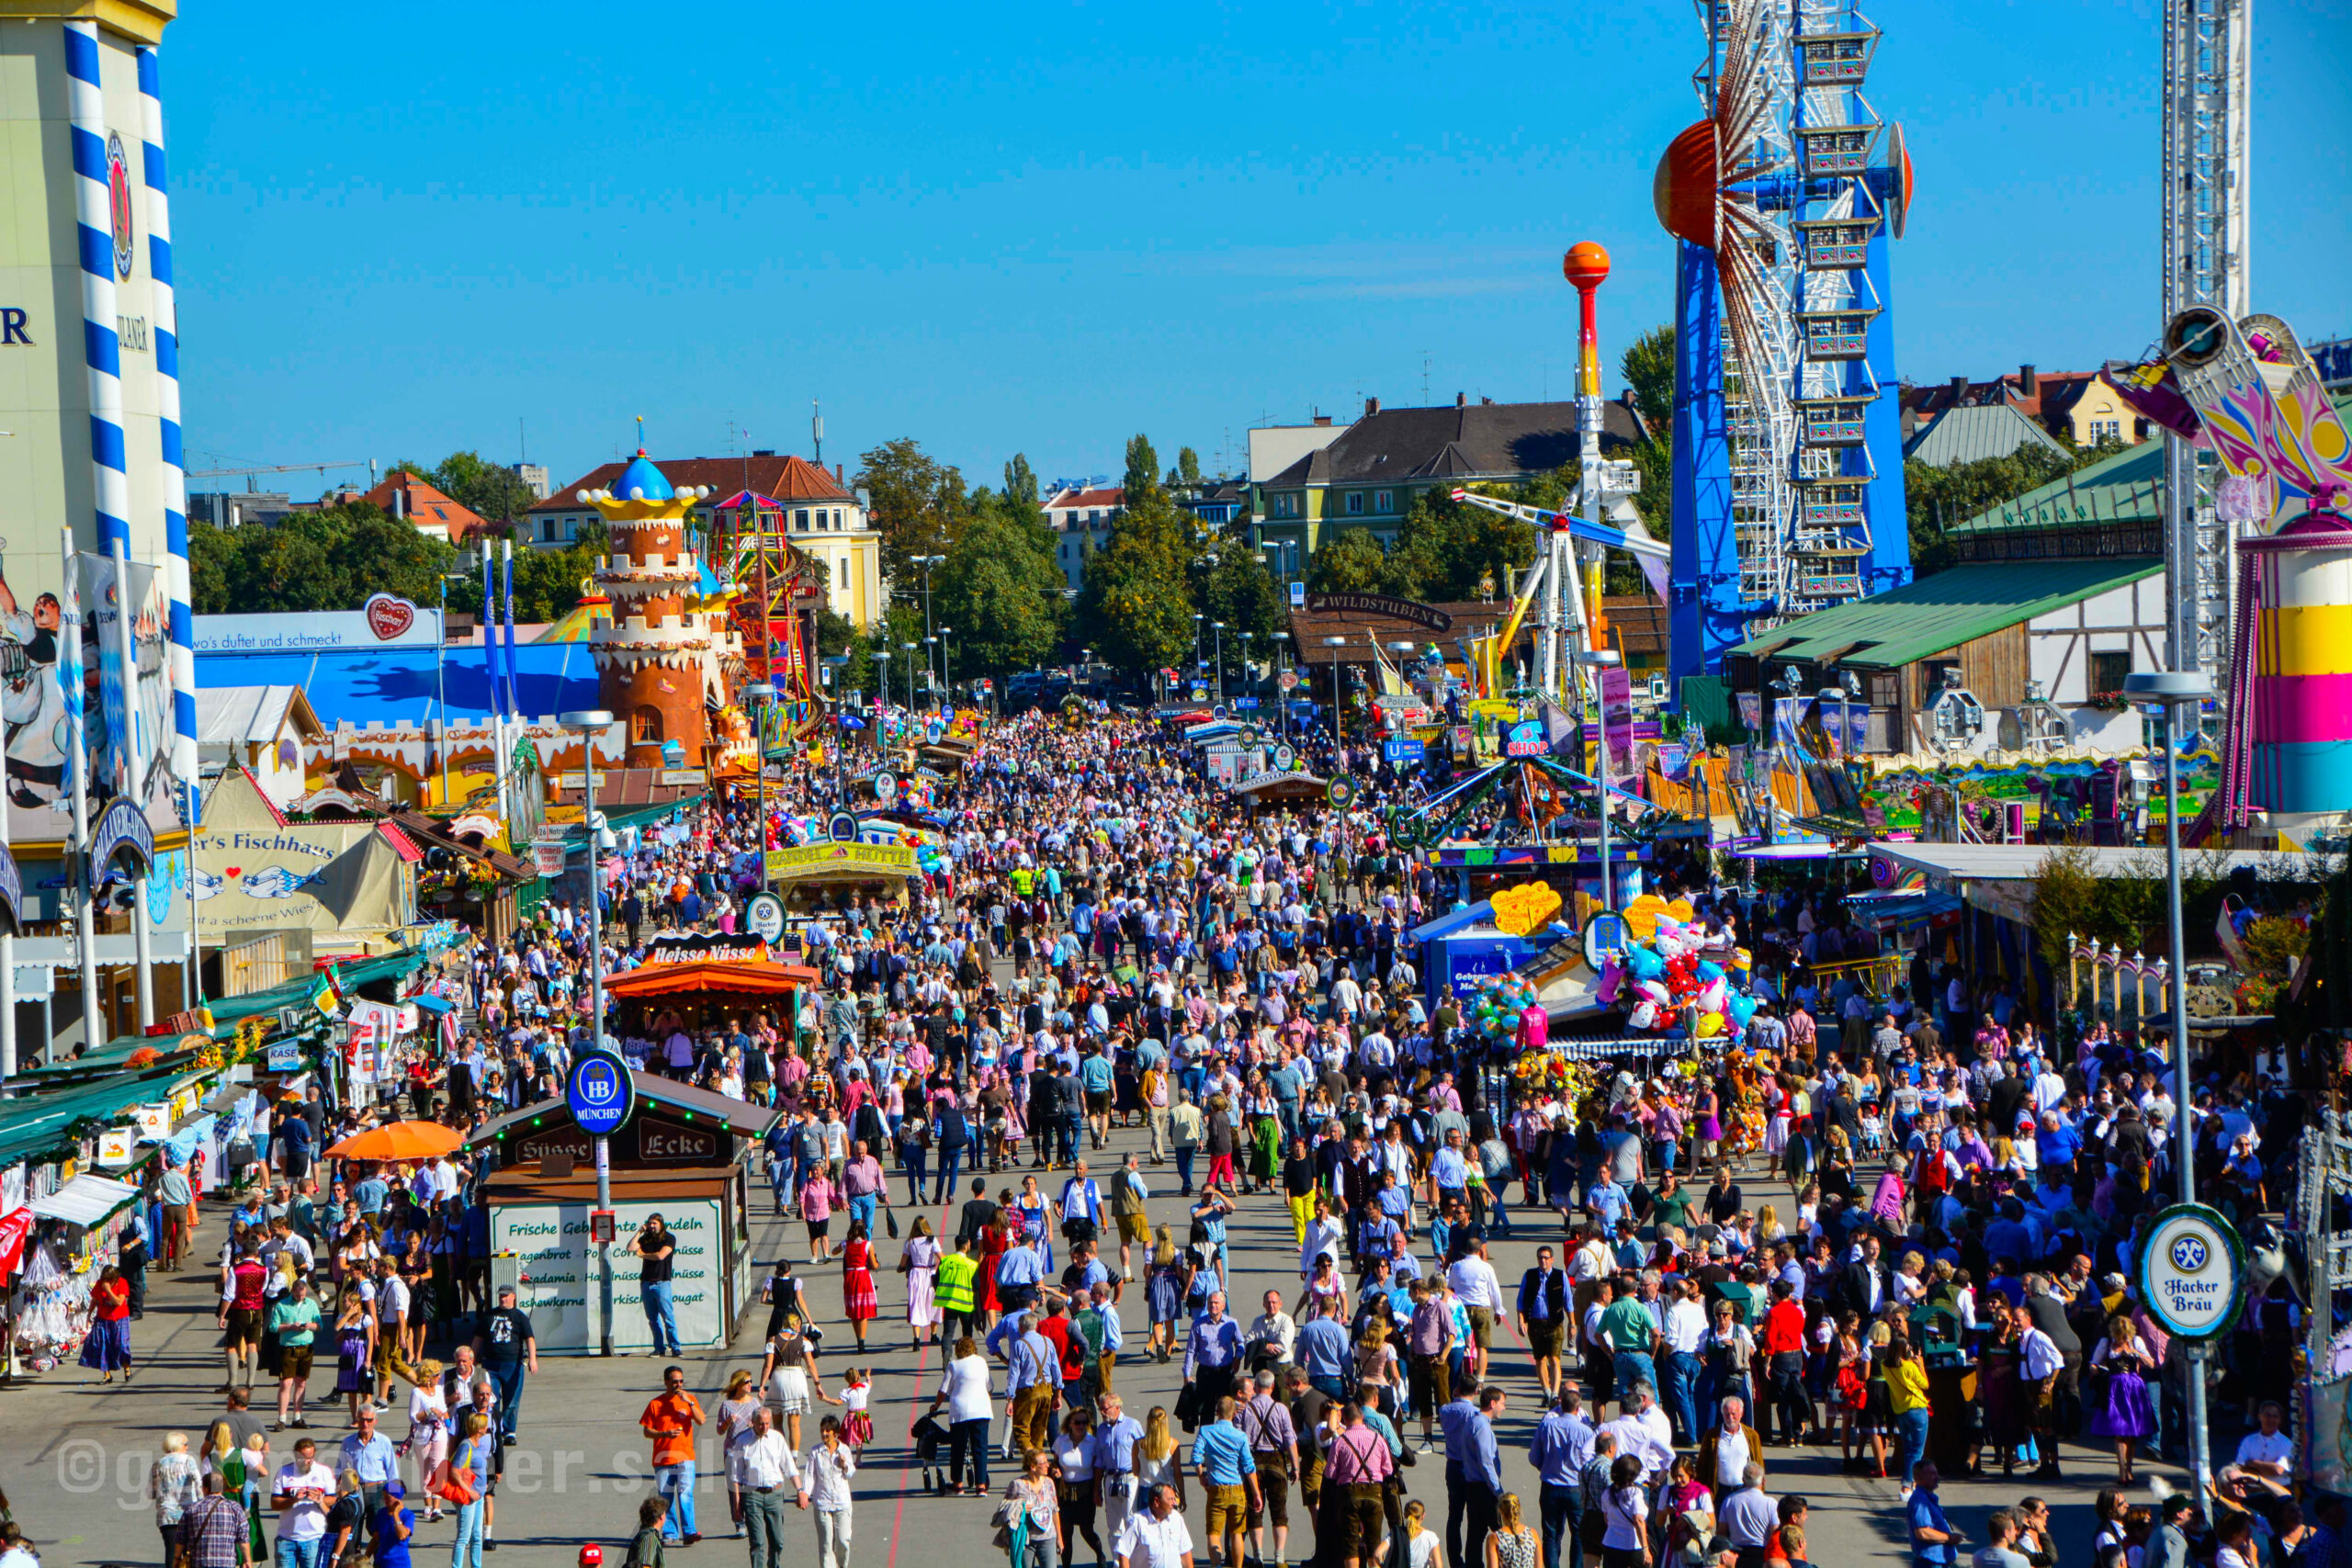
pixel 824 521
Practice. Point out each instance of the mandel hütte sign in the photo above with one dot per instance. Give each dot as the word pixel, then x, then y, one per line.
pixel 2192 1271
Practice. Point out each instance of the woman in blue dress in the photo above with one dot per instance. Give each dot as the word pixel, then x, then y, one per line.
pixel 1164 1294
pixel 2126 1413
pixel 1038 1217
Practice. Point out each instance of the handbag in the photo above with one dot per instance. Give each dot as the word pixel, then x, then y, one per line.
pixel 453 1486
pixel 890 1219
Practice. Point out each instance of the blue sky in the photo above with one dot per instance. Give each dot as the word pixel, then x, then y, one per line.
pixel 1045 227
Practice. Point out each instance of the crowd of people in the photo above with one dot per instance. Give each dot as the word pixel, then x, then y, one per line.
pixel 1125 992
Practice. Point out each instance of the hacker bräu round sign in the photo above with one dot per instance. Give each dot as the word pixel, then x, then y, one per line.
pixel 2192 1271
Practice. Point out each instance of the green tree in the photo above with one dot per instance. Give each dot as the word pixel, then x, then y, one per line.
pixel 1352 563
pixel 332 559
pixel 1186 474
pixel 1648 367
pixel 215 560
pixel 1142 482
pixel 1019 482
pixel 918 504
pixel 1230 583
pixel 1448 550
pixel 1002 589
pixel 486 489
pixel 1136 606
pixel 1938 497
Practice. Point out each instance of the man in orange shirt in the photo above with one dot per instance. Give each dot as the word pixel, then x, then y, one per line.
pixel 1783 1344
pixel 670 1419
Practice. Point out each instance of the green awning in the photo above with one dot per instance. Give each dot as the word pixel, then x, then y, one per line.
pixel 296 993
pixel 1910 623
pixel 37 1124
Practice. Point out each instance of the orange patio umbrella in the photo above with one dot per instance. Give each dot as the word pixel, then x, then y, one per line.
pixel 400 1141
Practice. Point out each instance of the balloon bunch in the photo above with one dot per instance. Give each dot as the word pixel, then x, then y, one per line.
pixel 1658 979
pixel 1500 1010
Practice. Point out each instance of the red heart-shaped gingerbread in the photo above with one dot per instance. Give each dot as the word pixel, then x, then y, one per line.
pixel 388 617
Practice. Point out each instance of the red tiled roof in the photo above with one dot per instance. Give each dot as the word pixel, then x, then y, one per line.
pixel 425 506
pixel 1113 495
pixel 787 479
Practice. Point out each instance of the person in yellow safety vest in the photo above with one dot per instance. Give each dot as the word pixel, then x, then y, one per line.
pixel 959 1274
pixel 1023 880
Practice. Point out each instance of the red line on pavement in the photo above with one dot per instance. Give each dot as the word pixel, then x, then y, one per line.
pixel 898 1514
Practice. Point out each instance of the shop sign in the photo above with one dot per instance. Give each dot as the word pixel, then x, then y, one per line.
pixel 1527 740
pixel 153 1122
pixel 764 915
pixel 285 1056
pixel 712 948
pixel 117 1145
pixel 849 859
pixel 2192 1271
pixel 601 1094
pixel 548 855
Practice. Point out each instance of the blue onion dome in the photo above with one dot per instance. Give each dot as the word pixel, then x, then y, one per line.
pixel 642 481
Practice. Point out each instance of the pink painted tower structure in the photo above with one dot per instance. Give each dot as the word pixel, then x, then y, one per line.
pixel 657 658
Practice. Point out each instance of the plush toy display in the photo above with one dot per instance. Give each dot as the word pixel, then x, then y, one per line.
pixel 1655 980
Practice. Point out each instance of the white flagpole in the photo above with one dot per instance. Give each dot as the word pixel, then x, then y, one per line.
pixel 77 762
pixel 142 939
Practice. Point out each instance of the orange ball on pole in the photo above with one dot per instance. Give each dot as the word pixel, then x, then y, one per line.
pixel 1586 265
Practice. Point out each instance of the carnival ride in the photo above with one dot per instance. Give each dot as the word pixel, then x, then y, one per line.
pixel 1788 471
pixel 1566 612
pixel 2249 392
pixel 774 584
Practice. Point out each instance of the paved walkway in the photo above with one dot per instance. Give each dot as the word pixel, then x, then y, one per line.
pixel 74 1456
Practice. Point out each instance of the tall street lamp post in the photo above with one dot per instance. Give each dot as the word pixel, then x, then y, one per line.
pixel 589 723
pixel 763 694
pixel 1598 659
pixel 2170 691
pixel 1335 643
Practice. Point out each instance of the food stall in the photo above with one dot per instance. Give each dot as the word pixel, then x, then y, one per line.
pixel 685 1154
pixel 705 981
pixel 812 878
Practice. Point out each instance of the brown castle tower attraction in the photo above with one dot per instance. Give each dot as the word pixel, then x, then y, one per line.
pixel 657 656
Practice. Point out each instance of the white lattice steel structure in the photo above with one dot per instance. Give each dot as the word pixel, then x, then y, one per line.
pixel 1797 142
pixel 2206 203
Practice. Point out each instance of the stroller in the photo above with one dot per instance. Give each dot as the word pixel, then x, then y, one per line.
pixel 931 1452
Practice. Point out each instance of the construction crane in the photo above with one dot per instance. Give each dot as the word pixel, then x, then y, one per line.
pixel 367 463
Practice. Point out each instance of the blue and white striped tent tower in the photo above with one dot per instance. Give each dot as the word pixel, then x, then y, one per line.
pixel 95 229
pixel 177 592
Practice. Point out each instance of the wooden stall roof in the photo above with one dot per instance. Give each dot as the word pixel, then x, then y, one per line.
pixel 737 1116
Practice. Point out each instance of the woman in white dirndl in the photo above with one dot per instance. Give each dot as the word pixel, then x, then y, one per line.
pixel 788 1378
pixel 920 1263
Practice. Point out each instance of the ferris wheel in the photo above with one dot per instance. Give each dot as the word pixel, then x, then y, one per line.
pixel 1789 475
